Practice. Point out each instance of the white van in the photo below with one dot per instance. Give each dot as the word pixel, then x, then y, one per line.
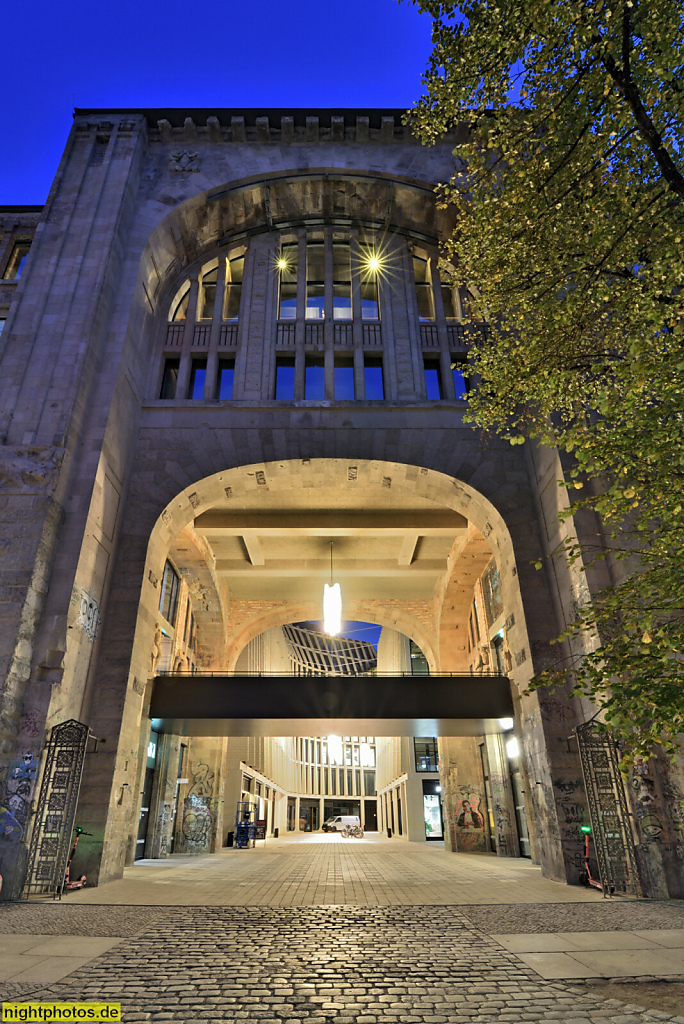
pixel 340 821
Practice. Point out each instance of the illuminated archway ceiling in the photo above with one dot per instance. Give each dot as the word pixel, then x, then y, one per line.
pixel 287 200
pixel 395 550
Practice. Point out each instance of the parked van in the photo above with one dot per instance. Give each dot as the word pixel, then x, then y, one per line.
pixel 340 821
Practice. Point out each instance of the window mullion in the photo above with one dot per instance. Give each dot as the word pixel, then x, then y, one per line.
pixel 328 324
pixel 215 333
pixel 300 322
pixel 442 336
pixel 188 335
pixel 357 324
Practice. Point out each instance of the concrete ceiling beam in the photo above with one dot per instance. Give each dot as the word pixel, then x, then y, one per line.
pixel 408 548
pixel 321 568
pixel 331 524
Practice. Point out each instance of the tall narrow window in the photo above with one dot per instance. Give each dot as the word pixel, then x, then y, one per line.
pixel 433 380
pixel 285 378
pixel 449 299
pixel 198 376
pixel 224 384
pixel 170 378
pixel 370 310
pixel 3 320
pixel 421 274
pixel 207 296
pixel 314 377
pixel 179 306
pixel 315 281
pixel 372 378
pixel 287 264
pixel 342 302
pixel 234 272
pixel 461 382
pixel 17 260
pixel 168 599
pixel 344 378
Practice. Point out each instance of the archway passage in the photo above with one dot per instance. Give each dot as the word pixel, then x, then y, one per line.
pixel 245 722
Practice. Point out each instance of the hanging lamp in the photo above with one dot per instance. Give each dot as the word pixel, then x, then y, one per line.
pixel 332 603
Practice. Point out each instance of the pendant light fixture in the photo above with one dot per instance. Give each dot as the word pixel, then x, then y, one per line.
pixel 332 603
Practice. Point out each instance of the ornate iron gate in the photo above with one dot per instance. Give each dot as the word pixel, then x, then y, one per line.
pixel 610 825
pixel 54 821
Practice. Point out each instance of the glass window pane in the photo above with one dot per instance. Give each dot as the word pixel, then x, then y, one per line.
pixel 3 321
pixel 370 309
pixel 287 264
pixel 373 380
pixel 170 378
pixel 231 302
pixel 198 376
pixel 226 374
pixel 314 378
pixel 433 383
pixel 460 382
pixel 425 748
pixel 285 378
pixel 315 281
pixel 17 260
pixel 344 380
pixel 432 815
pixel 341 262
pixel 421 273
pixel 179 306
pixel 342 305
pixel 205 306
pixel 168 598
pixel 448 301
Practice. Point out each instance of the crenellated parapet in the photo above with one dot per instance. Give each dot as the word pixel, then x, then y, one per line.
pixel 187 127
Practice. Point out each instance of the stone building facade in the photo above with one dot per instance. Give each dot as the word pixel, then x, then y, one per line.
pixel 225 342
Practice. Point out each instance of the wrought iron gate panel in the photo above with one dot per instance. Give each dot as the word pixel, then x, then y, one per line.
pixel 608 814
pixel 54 822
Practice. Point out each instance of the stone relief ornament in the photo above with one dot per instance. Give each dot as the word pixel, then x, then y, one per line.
pixel 29 469
pixel 89 615
pixel 185 161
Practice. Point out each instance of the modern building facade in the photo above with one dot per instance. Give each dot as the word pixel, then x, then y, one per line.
pixel 226 343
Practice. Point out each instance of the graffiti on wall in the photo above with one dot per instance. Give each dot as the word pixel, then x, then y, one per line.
pixel 16 790
pixel 197 810
pixel 467 829
pixel 164 826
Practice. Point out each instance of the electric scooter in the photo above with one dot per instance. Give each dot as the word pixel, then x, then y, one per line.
pixel 586 877
pixel 77 883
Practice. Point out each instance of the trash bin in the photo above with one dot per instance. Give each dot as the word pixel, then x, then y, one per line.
pixel 389 833
pixel 275 833
pixel 229 838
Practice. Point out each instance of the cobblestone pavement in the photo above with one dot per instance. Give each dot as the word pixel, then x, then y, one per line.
pixel 362 965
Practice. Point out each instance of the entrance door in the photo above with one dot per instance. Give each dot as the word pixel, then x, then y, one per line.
pixel 144 814
pixel 370 811
pixel 432 810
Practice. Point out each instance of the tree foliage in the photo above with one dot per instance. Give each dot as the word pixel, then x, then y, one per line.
pixel 571 236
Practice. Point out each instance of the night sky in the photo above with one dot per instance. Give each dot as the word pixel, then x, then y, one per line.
pixel 236 53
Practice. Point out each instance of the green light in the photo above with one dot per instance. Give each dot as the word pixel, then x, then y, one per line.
pixel 585 828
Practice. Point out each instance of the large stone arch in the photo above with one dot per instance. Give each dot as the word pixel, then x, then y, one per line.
pixel 490 534
pixel 198 227
pixel 364 611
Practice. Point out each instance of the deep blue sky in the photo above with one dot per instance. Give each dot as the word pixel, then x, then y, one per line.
pixel 61 54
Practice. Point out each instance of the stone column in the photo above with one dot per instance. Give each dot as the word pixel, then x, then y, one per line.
pixel 462 784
